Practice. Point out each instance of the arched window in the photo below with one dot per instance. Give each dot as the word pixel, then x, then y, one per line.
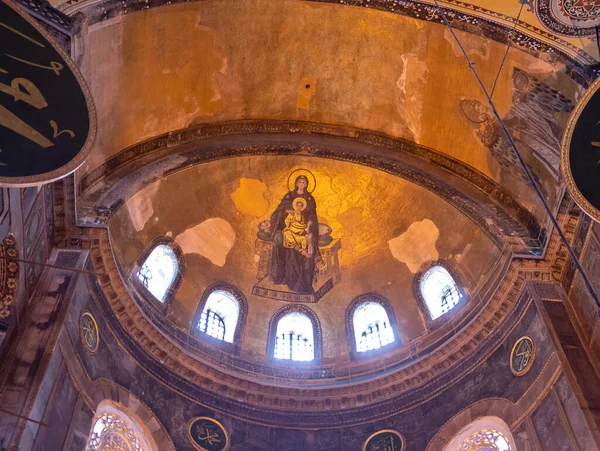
pixel 486 440
pixel 111 432
pixel 439 291
pixel 159 270
pixel 484 434
pixel 372 327
pixel 220 315
pixel 115 428
pixel 295 338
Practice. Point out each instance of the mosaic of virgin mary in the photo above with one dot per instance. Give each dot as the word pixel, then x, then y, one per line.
pixel 295 233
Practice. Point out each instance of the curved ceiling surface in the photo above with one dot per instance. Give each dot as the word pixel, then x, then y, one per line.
pixel 377 232
pixel 176 66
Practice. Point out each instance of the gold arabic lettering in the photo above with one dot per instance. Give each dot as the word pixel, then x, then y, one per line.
pixel 54 66
pixel 24 90
pixel 22 35
pixel 54 126
pixel 12 122
pixel 205 433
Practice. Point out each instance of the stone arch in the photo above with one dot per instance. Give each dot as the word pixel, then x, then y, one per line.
pixel 497 412
pixel 108 392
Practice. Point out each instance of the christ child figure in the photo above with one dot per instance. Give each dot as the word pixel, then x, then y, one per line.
pixel 295 233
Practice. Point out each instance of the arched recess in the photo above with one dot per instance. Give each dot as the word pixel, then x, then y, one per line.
pixel 115 427
pixel 485 433
pixel 240 323
pixel 351 332
pixel 103 390
pixel 492 413
pixel 431 320
pixel 317 335
pixel 142 289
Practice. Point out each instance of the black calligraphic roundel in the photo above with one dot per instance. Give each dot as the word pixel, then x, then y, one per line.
pixel 47 119
pixel 522 356
pixel 386 439
pixel 208 435
pixel 580 161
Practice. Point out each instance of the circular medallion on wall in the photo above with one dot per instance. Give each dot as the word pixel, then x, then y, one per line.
pixel 88 330
pixel 521 356
pixel 385 439
pixel 207 434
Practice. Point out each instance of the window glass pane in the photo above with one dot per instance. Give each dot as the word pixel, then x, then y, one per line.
pixel 295 338
pixel 486 440
pixel 220 315
pixel 439 291
pixel 111 432
pixel 372 328
pixel 158 271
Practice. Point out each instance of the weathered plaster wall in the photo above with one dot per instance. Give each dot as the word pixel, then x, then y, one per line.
pixel 388 229
pixel 165 68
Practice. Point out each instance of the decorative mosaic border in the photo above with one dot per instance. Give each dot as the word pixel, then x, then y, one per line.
pixel 9 275
pixel 545 14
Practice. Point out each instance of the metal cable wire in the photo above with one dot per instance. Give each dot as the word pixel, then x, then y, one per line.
pixel 532 182
pixel 510 41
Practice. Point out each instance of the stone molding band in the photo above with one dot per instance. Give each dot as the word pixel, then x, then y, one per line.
pixel 481 199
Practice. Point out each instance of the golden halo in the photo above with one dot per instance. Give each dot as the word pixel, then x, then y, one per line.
pixel 302 200
pixel 306 173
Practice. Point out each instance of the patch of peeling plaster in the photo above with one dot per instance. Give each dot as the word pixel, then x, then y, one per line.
pixel 305 94
pixel 213 239
pixel 140 206
pixel 417 245
pixel 472 46
pixel 413 75
pixel 249 197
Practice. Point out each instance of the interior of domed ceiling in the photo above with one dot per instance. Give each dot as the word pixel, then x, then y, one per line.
pixel 175 67
pixel 376 232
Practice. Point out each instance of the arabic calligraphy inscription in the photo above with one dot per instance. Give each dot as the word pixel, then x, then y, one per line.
pixel 207 434
pixel 88 329
pixel 521 356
